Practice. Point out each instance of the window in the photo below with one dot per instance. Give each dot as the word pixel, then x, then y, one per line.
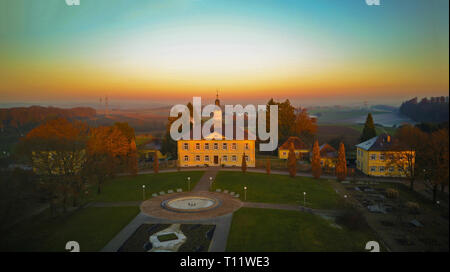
pixel 382 156
pixel 246 146
pixel 197 146
pixel 391 169
pixel 381 168
pixel 186 158
pixel 206 146
pixel 391 157
pixel 321 162
pixel 186 146
pixel 234 158
pixel 284 153
pixel 216 146
pixel 357 164
pixel 373 157
pixel 373 168
pixel 246 158
pixel 197 158
pixel 224 146
pixel 225 158
pixel 206 158
pixel 234 146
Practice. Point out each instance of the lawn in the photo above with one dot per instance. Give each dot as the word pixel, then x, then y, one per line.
pixel 91 227
pixel 129 188
pixel 290 231
pixel 280 189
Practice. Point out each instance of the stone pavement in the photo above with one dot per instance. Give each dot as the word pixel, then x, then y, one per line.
pixel 205 183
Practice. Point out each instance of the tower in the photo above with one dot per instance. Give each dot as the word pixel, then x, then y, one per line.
pixel 217 102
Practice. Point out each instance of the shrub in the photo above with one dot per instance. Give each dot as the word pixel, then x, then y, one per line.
pixel 413 207
pixel 391 193
pixel 352 219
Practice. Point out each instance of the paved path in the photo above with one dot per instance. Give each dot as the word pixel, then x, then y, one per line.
pixel 218 242
pixel 205 183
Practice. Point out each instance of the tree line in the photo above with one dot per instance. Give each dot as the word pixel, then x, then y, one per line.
pixel 69 157
pixel 434 110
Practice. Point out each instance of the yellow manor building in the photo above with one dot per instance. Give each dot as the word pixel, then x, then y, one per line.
pixel 226 152
pixel 300 148
pixel 378 157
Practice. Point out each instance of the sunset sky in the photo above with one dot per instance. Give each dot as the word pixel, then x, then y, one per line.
pixel 170 50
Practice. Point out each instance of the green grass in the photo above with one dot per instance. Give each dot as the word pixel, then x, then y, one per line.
pixel 290 231
pixel 91 227
pixel 280 189
pixel 167 237
pixel 129 188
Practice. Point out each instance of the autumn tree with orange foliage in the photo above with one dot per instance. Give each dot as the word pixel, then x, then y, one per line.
pixel 304 126
pixel 292 161
pixel 244 164
pixel 341 164
pixel 56 150
pixel 130 161
pixel 436 162
pixel 156 163
pixel 315 162
pixel 106 146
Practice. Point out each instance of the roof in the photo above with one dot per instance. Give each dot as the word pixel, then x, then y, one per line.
pixel 327 150
pixel 298 143
pixel 378 143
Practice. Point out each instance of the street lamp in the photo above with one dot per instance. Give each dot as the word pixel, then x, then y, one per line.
pixel 210 182
pixel 245 193
pixel 304 199
pixel 189 183
pixel 143 192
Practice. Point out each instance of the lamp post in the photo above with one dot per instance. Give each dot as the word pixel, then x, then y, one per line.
pixel 304 199
pixel 245 193
pixel 189 183
pixel 143 192
pixel 210 182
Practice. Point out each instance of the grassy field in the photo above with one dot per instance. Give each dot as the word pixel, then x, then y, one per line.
pixel 280 189
pixel 128 188
pixel 287 231
pixel 91 227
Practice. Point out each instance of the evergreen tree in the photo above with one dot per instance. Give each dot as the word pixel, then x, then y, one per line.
pixel 315 163
pixel 292 161
pixel 268 166
pixel 369 129
pixel 244 164
pixel 341 165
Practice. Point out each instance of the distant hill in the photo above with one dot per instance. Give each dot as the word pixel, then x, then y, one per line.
pixel 26 116
pixel 384 108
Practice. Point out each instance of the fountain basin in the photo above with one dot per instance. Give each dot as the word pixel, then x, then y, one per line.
pixel 190 204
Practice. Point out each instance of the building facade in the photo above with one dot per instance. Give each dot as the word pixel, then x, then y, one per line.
pixel 380 157
pixel 210 152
